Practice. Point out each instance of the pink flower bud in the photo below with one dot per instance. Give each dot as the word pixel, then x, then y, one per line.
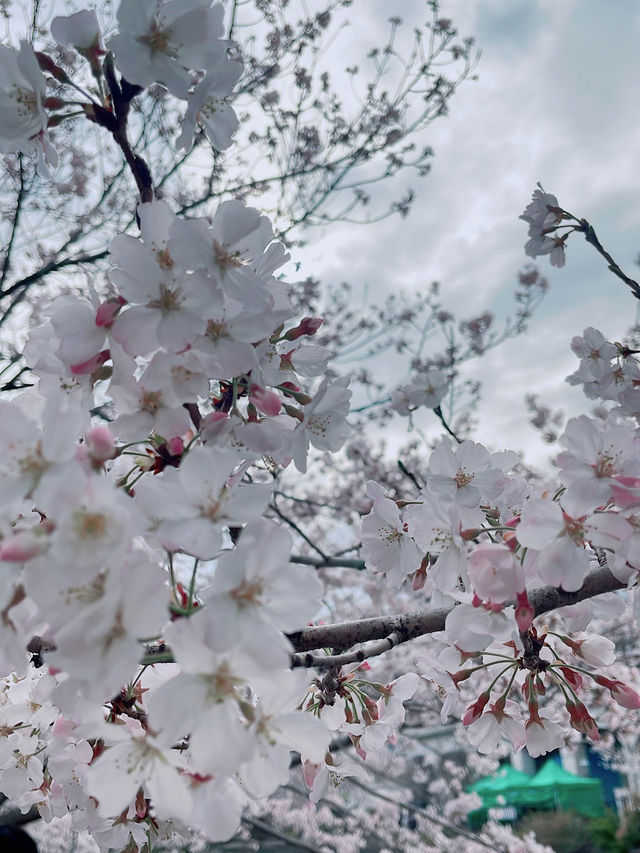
pixel 622 693
pixel 292 390
pixel 23 546
pixel 307 326
pixel 574 678
pixel 175 446
pixel 582 721
pixel 100 443
pixel 265 401
pixel 474 712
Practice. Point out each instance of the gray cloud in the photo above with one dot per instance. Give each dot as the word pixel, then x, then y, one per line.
pixel 556 101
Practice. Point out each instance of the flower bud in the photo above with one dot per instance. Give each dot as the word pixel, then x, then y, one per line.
pixel 22 546
pixel 307 326
pixel 100 443
pixel 474 712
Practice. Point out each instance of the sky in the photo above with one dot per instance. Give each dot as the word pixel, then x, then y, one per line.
pixel 557 100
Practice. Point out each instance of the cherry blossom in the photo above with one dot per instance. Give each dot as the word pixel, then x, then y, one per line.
pixel 208 106
pixel 160 42
pixel 22 99
pixel 387 544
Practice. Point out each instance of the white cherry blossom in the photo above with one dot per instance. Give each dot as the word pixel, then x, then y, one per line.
pixel 22 101
pixel 160 42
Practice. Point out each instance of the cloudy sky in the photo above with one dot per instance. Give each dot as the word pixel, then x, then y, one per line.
pixel 557 100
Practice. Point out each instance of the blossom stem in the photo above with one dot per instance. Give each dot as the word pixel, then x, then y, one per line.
pixel 591 238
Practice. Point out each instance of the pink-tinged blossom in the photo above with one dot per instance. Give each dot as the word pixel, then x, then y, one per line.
pixel 543 215
pixel 304 359
pixel 426 389
pixel 473 629
pixel 159 43
pixel 209 106
pixel 231 329
pixel 100 443
pixel 227 249
pixel 204 699
pixel 166 307
pixel 256 594
pixel 74 322
pixel 97 632
pixel 542 211
pixel 597 455
pixel 82 32
pixel 487 731
pixel 596 651
pixel 217 805
pixel 560 540
pixel 543 736
pixel 324 424
pixel 387 545
pixel 146 405
pixel 494 573
pixel 467 474
pixel 436 528
pixel 277 729
pixel 22 103
pixel 438 673
pixel 36 463
pixel 322 778
pixel 138 761
pixel 188 508
pixel 594 350
pixel 265 401
pixel 93 524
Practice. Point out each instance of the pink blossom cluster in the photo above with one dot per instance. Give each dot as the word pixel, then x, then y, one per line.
pixel 484 538
pixel 177 45
pixel 145 672
pixel 202 373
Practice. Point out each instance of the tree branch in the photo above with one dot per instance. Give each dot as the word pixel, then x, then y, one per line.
pixel 344 635
pixel 328 562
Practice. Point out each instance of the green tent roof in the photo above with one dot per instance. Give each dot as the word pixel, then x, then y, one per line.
pixel 505 781
pixel 555 787
pixel 551 773
pixel 551 787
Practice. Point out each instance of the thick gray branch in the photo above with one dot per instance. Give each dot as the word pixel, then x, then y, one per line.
pixel 345 635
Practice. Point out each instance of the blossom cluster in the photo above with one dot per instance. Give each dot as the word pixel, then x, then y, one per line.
pixel 147 592
pixel 178 46
pixel 483 537
pixel 202 380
